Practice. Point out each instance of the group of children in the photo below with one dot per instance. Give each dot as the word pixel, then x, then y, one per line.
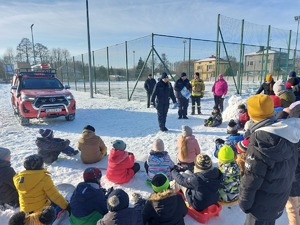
pixel 194 175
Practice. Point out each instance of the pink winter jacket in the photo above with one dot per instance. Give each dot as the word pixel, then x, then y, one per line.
pixel 119 166
pixel 192 146
pixel 220 87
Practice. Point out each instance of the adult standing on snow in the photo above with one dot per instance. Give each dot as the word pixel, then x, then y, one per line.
pixel 198 88
pixel 271 161
pixel 162 92
pixel 149 86
pixel 183 102
pixel 267 86
pixel 219 90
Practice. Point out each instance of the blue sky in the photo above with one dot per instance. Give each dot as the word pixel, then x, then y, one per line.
pixel 63 23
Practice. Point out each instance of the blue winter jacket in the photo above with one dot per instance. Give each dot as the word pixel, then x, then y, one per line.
pixel 87 198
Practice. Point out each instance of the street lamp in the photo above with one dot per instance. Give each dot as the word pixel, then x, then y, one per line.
pixel 133 58
pixel 184 42
pixel 32 43
pixel 89 48
pixel 297 18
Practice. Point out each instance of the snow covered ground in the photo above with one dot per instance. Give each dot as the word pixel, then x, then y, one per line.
pixel 113 119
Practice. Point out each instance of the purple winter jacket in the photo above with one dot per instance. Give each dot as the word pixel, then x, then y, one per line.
pixel 220 87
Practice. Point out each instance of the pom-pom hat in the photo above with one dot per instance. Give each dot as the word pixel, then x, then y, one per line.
pixel 117 200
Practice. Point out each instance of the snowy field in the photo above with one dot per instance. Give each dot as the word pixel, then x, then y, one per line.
pixel 115 118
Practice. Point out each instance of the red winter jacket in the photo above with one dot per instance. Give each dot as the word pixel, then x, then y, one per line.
pixel 119 166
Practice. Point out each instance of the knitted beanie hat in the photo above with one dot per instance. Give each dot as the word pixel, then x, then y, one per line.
pixel 186 131
pixel 276 101
pixel 232 127
pixel 117 200
pixel 226 154
pixel 164 75
pixel 242 146
pixel 47 133
pixel 279 87
pixel 48 215
pixel 260 107
pixel 292 74
pixel 160 182
pixel 89 127
pixel 92 174
pixel 269 77
pixel 221 76
pixel 202 162
pixel 4 153
pixel 33 162
pixel 158 145
pixel 183 74
pixel 119 145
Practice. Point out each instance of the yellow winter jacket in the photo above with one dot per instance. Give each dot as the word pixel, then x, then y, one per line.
pixel 198 87
pixel 91 146
pixel 36 189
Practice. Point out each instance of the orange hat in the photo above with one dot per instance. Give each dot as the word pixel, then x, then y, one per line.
pixel 269 77
pixel 260 107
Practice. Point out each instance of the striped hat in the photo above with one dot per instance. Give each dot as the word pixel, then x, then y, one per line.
pixel 242 146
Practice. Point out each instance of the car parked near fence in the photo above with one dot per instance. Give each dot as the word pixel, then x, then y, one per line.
pixel 36 93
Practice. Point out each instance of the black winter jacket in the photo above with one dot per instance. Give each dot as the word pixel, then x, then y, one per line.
pixel 88 198
pixel 164 208
pixel 271 161
pixel 8 192
pixel 149 85
pixel 128 216
pixel 179 85
pixel 162 92
pixel 49 148
pixel 267 88
pixel 202 188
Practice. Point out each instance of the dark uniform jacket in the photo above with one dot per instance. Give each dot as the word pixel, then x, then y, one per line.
pixel 164 208
pixel 179 85
pixel 271 161
pixel 162 92
pixel 8 191
pixel 202 187
pixel 149 85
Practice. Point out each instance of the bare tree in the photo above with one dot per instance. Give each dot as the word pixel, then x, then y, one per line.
pixel 9 56
pixel 24 50
pixel 42 52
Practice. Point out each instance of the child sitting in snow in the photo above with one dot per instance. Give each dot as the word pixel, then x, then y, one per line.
pixel 201 187
pixel 49 147
pixel 8 192
pixel 241 147
pixel 36 188
pixel 119 211
pixel 230 185
pixel 277 105
pixel 158 161
pixel 88 202
pixel 243 116
pixel 188 148
pixel 215 119
pixel 45 217
pixel 164 206
pixel 121 166
pixel 232 139
pixel 91 146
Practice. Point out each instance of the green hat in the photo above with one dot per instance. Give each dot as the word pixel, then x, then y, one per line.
pixel 226 154
pixel 160 182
